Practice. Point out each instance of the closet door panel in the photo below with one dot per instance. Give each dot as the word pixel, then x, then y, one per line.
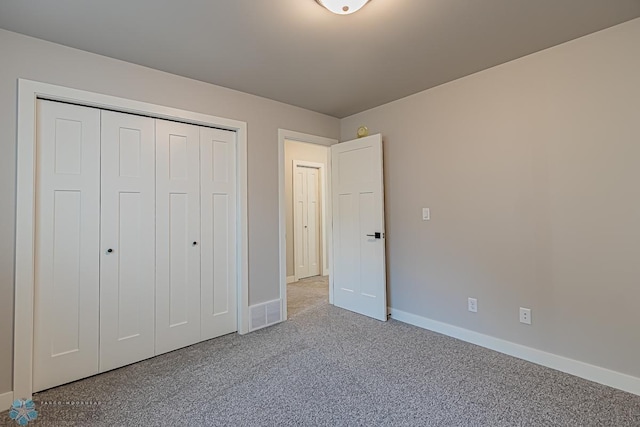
pixel 177 235
pixel 300 235
pixel 67 231
pixel 313 217
pixel 127 272
pixel 218 216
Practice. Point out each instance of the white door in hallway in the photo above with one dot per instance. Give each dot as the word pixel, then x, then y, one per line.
pixel 127 263
pixel 177 235
pixel 67 238
pixel 306 220
pixel 359 273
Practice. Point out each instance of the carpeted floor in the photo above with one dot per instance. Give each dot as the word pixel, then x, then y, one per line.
pixel 330 367
pixel 306 293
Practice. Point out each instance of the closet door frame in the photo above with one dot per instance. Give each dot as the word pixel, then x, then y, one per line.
pixel 28 93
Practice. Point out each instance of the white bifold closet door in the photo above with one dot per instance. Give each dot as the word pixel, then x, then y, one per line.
pixel 306 221
pixel 135 239
pixel 177 235
pixel 67 242
pixel 127 253
pixel 195 234
pixel 218 217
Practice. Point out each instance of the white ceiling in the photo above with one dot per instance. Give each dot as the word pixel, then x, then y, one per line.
pixel 296 52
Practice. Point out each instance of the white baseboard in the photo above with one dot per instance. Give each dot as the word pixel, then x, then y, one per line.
pixel 291 279
pixel 570 366
pixel 6 400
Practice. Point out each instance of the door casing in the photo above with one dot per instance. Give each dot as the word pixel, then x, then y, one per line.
pixel 283 135
pixel 28 93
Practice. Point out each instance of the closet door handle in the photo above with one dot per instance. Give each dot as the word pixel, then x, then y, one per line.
pixel 195 243
pixel 109 250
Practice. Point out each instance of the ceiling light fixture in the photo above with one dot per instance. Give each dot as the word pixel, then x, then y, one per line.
pixel 343 7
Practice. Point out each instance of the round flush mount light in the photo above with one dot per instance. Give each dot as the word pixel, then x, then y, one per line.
pixel 343 7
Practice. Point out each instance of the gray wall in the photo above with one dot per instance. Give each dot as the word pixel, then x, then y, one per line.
pixel 24 57
pixel 294 150
pixel 532 173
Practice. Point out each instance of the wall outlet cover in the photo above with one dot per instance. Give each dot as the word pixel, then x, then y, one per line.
pixel 525 315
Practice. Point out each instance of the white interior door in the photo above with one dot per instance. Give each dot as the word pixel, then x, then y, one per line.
pixel 313 221
pixel 127 265
pixel 67 233
pixel 218 247
pixel 306 221
pixel 300 239
pixel 177 235
pixel 359 282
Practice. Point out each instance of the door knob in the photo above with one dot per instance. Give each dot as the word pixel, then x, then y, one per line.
pixel 375 235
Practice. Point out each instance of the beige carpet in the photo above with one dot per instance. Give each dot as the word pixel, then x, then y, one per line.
pixel 306 293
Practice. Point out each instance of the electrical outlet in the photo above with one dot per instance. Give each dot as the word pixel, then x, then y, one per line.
pixel 525 315
pixel 473 305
